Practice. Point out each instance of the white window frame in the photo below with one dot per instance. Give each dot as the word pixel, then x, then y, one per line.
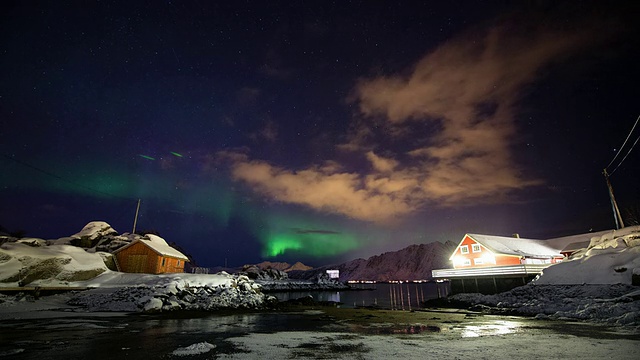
pixel 478 261
pixel 464 249
pixel 476 248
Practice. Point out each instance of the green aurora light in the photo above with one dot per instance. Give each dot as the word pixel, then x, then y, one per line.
pixel 280 232
pixel 201 196
pixel 316 244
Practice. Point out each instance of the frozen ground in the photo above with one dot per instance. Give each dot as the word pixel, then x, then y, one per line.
pixel 313 334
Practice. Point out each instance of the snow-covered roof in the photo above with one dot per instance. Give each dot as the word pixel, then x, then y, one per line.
pixel 562 242
pixel 574 246
pixel 159 245
pixel 515 246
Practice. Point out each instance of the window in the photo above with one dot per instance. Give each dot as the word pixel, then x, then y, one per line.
pixel 162 262
pixel 178 263
pixel 475 248
pixel 464 249
pixel 466 262
pixel 478 261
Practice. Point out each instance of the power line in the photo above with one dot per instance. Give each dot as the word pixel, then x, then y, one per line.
pixel 625 157
pixel 622 147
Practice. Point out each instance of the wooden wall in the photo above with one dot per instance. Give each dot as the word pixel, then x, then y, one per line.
pixel 139 258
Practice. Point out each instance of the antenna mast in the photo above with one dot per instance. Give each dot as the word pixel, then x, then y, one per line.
pixel 135 220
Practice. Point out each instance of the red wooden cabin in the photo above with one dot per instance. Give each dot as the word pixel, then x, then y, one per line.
pixel 486 250
pixel 150 254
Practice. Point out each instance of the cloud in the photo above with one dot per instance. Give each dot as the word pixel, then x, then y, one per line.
pixel 469 87
pixel 319 188
pixel 467 91
pixel 381 164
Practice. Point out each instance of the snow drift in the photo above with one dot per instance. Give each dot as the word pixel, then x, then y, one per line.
pixel 57 263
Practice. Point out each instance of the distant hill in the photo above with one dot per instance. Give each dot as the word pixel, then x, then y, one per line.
pixel 283 266
pixel 414 262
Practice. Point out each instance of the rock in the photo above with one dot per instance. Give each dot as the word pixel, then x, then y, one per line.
pixel 153 305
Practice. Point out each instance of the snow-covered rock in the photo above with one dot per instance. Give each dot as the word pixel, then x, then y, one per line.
pixel 267 274
pixel 609 259
pixel 611 304
pixel 94 230
pixel 172 292
pixel 22 263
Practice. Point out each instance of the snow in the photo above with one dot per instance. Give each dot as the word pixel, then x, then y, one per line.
pixel 516 246
pixel 594 284
pixel 610 259
pixel 22 263
pixel 195 349
pixel 500 342
pixel 45 264
pixel 561 242
pixel 95 229
pixel 159 245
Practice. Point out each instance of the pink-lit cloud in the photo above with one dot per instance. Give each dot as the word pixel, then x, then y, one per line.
pixel 470 88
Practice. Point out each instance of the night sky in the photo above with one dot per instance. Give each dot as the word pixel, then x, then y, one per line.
pixel 317 131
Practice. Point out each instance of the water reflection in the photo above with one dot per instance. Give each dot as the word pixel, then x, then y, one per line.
pixel 496 327
pixel 401 296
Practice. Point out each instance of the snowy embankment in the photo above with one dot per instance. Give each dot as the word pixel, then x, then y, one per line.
pixel 594 284
pixel 170 292
pixel 36 263
pixel 610 304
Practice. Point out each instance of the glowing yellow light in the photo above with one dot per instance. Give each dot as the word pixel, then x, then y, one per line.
pixel 488 258
pixel 458 260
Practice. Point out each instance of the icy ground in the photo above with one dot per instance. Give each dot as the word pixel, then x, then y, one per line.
pixel 608 304
pixel 312 334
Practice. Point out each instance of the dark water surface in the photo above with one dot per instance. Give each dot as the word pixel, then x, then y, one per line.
pixel 397 296
pixel 135 336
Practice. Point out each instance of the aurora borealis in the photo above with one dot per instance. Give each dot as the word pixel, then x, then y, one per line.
pixel 316 131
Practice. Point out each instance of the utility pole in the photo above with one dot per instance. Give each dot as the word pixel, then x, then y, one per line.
pixel 135 220
pixel 614 204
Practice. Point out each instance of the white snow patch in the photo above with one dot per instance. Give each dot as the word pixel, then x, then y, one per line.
pixel 195 349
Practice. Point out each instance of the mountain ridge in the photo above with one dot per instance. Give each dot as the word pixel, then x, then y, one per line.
pixel 413 262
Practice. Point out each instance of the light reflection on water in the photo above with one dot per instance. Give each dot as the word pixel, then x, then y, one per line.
pixel 495 327
pixel 399 296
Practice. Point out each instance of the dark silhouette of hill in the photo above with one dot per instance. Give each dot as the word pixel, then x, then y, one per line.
pixel 414 262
